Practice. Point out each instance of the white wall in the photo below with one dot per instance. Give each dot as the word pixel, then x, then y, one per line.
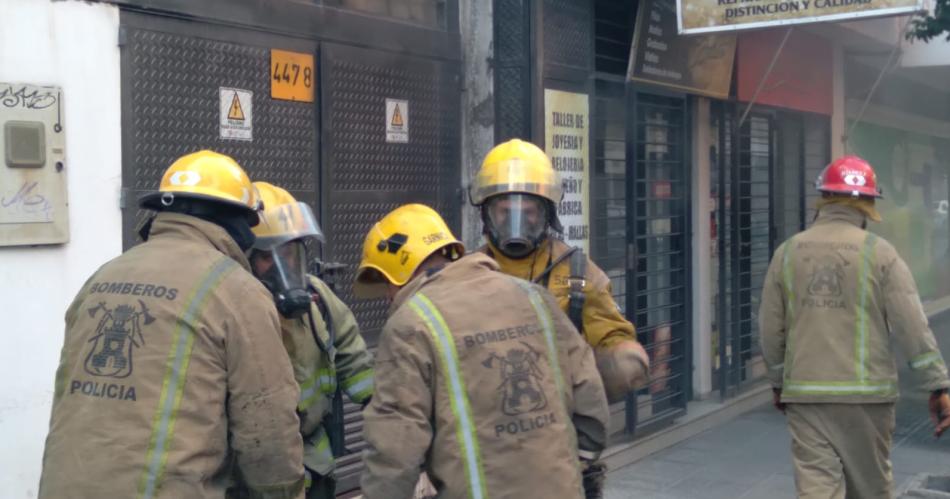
pixel 73 45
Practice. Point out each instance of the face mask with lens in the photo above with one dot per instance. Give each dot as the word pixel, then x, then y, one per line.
pixel 279 258
pixel 516 223
pixel 284 272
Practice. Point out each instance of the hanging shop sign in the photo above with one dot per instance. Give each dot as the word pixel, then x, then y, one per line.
pixel 660 56
pixel 565 141
pixel 709 16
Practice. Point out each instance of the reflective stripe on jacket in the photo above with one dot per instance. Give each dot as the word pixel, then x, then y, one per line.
pixel 484 384
pixel 318 376
pixel 172 373
pixel 834 297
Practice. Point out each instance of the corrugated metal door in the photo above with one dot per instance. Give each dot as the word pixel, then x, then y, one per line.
pixel 170 92
pixel 364 176
pixel 331 154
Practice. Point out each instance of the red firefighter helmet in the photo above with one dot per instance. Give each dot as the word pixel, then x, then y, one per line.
pixel 849 175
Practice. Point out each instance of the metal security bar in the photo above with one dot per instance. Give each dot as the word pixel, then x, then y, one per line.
pixel 608 186
pixel 762 189
pixel 658 298
pixel 743 169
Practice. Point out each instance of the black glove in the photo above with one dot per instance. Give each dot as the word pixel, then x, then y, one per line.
pixel 777 399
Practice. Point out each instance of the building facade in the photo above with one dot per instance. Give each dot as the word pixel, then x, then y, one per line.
pixel 675 185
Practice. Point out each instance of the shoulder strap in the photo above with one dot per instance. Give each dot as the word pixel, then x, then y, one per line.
pixel 330 348
pixel 577 281
pixel 543 276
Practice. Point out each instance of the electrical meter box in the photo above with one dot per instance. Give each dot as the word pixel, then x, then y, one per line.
pixel 33 206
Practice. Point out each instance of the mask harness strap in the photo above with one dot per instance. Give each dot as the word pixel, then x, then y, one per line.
pixel 576 282
pixel 575 304
pixel 332 422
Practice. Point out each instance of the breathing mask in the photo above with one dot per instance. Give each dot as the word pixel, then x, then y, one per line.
pixel 283 271
pixel 279 258
pixel 516 223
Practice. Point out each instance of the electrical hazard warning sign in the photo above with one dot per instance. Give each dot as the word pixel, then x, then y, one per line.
pixel 236 113
pixel 397 121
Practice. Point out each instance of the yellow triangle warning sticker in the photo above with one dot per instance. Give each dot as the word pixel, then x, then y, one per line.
pixel 236 113
pixel 397 117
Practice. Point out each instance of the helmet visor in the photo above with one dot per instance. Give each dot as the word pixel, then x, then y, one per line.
pixel 513 176
pixel 286 222
pixel 282 269
pixel 517 218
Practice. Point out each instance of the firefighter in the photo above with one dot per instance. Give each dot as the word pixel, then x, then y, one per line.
pixel 482 382
pixel 834 297
pixel 518 192
pixel 173 379
pixel 319 332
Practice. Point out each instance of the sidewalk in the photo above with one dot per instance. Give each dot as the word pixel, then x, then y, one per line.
pixel 750 458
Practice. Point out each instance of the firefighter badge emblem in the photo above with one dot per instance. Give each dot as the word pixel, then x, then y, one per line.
pixel 826 279
pixel 118 333
pixel 521 380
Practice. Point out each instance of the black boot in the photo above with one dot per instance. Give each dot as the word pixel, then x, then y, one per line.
pixel 594 475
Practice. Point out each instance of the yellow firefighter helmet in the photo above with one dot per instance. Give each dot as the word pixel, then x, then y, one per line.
pixel 516 166
pixel 283 219
pixel 204 175
pixel 396 246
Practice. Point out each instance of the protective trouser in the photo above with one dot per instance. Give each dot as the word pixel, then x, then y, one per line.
pixel 842 450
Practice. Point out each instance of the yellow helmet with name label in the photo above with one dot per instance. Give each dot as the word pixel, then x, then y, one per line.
pixel 396 246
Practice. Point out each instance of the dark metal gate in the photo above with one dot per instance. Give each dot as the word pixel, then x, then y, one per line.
pixel 762 192
pixel 364 176
pixel 332 154
pixel 170 102
pixel 658 235
pixel 749 246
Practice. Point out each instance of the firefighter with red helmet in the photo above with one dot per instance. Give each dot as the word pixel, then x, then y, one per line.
pixel 834 297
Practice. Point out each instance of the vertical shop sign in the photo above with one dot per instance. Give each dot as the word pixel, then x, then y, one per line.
pixel 565 141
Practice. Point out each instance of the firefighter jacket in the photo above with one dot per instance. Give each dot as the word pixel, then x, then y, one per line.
pixel 484 384
pixel 834 298
pixel 172 378
pixel 603 324
pixel 318 374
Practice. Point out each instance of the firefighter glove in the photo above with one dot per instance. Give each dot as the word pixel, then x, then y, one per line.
pixel 624 367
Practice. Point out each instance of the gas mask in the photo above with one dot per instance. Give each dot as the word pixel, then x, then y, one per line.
pixel 516 223
pixel 283 271
pixel 279 257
